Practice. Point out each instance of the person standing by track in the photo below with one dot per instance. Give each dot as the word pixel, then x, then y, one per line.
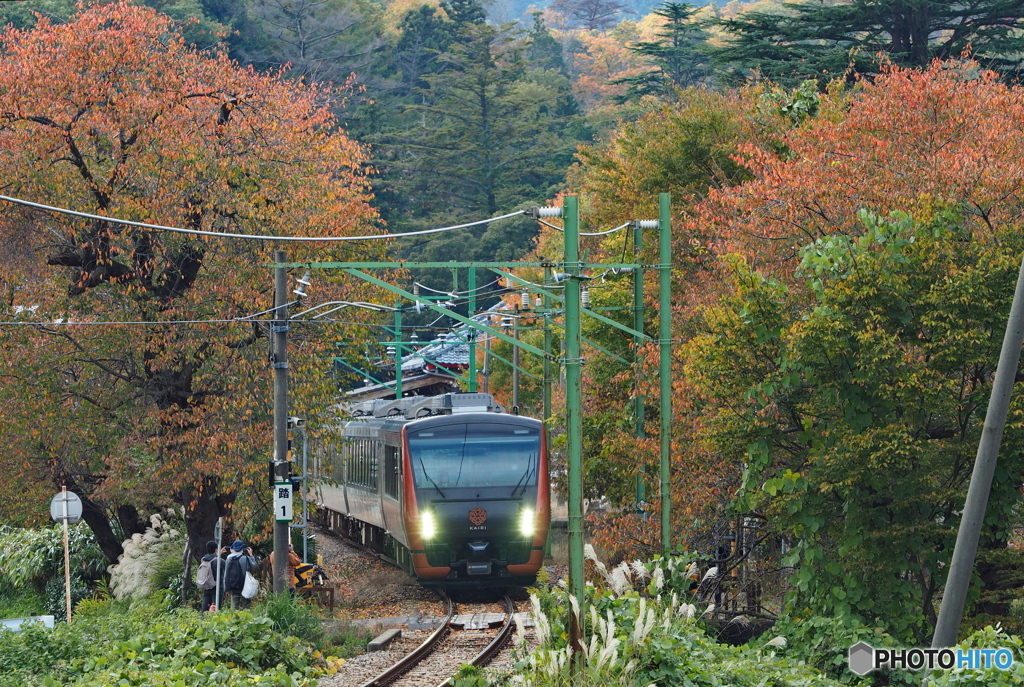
pixel 238 562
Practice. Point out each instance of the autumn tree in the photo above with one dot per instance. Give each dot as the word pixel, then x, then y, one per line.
pixel 818 40
pixel 853 407
pixel 686 148
pixel 113 114
pixel 841 356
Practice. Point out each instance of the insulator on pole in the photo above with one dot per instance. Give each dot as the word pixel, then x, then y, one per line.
pixel 646 223
pixel 526 300
pixel 585 297
pixel 539 213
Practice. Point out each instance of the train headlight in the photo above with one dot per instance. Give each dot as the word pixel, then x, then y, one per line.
pixel 526 522
pixel 427 528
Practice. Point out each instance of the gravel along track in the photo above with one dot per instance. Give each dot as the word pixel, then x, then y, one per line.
pixel 468 634
pixel 372 593
pixel 460 646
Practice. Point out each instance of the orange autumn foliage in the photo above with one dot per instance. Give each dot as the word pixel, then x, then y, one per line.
pixel 911 140
pixel 112 114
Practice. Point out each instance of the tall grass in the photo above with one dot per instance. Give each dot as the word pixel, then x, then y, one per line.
pixel 292 616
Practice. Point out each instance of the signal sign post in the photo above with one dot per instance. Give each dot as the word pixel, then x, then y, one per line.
pixel 66 507
pixel 282 503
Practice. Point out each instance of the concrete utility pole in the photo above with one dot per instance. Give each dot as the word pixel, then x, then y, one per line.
pixel 280 328
pixel 962 566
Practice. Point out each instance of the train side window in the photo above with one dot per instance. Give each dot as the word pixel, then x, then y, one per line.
pixel 362 463
pixel 350 461
pixel 373 465
pixel 391 471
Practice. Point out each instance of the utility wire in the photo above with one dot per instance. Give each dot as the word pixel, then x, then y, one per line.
pixel 456 293
pixel 582 233
pixel 199 232
pixel 160 322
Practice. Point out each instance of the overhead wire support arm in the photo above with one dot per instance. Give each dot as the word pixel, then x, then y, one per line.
pixel 530 286
pixel 450 264
pixel 444 311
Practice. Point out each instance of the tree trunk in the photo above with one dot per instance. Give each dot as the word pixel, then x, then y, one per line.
pixel 131 523
pixel 203 505
pixel 95 515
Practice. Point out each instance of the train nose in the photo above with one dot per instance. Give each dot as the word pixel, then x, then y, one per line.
pixel 479 561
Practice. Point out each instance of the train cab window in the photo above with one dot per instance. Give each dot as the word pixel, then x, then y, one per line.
pixel 475 455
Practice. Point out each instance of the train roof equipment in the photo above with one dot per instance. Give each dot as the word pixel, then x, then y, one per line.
pixel 413 407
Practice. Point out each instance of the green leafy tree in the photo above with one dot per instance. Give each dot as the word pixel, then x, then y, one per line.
pixel 544 51
pixel 197 25
pixel 464 12
pixel 424 35
pixel 856 403
pixel 593 15
pixel 819 40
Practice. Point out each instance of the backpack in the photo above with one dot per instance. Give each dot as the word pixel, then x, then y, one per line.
pixel 234 578
pixel 205 578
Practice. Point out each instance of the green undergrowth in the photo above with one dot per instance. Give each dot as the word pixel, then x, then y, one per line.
pixel 641 628
pixel 142 644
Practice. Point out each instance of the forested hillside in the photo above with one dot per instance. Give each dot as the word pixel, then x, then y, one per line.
pixel 472 108
pixel 846 227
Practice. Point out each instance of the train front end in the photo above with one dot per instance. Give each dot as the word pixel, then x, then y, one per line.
pixel 477 499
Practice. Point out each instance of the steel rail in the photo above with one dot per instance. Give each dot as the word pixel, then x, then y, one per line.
pixel 417 654
pixel 491 650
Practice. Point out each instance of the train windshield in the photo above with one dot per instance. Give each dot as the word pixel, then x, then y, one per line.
pixel 475 455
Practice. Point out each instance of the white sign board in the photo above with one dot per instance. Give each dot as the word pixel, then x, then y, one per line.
pixel 16 623
pixel 74 505
pixel 283 502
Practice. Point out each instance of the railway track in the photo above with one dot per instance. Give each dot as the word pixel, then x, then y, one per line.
pixel 435 661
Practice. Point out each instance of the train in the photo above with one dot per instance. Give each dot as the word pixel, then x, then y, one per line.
pixel 450 488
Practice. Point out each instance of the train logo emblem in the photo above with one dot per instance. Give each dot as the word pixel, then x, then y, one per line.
pixel 478 516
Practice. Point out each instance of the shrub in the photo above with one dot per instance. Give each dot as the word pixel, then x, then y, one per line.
pixel 639 629
pixel 137 643
pixel 292 616
pixel 346 640
pixel 55 598
pixel 19 602
pixel 31 555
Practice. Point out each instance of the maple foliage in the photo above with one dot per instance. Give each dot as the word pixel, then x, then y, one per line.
pixel 844 367
pixel 799 169
pixel 112 114
pixel 909 140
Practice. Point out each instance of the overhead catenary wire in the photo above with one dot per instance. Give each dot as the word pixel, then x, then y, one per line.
pixel 456 293
pixel 257 237
pixel 584 233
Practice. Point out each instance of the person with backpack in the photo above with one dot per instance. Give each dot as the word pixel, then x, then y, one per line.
pixel 209 575
pixel 238 562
